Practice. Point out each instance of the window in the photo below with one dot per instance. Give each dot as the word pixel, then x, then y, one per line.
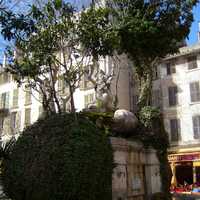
pixel 171 69
pixel 89 98
pixel 1 125
pixel 13 118
pixel 172 94
pixel 175 130
pixel 192 62
pixel 4 78
pixel 27 120
pixel 156 98
pixel 85 83
pixel 5 100
pixel 28 97
pixel 196 126
pixel 194 92
pixel 15 98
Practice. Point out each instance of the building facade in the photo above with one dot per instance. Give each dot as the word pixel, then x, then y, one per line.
pixel 177 92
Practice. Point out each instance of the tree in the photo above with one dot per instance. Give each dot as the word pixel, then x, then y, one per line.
pixel 148 31
pixel 99 39
pixel 11 23
pixel 55 29
pixel 50 52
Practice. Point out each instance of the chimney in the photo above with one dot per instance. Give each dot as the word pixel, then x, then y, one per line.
pixel 199 31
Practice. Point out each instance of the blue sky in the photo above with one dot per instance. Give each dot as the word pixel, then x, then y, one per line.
pixel 194 28
pixel 192 38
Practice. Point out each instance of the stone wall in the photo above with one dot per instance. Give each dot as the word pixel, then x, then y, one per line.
pixel 136 175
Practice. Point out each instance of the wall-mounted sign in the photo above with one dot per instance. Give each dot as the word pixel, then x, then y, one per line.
pixel 183 157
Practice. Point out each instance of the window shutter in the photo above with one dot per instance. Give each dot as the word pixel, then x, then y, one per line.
pixel 6 100
pixel 196 127
pixel 1 124
pixel 156 98
pixel 168 68
pixel 15 98
pixel 172 93
pixel 13 118
pixel 3 100
pixel 18 120
pixel 179 129
pixel 1 79
pixel 194 92
pixel 171 68
pixel 27 120
pixel 175 129
pixel 89 98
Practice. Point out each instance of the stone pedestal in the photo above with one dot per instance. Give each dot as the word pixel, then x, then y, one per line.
pixel 136 175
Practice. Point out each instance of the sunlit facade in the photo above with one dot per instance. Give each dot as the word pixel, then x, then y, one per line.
pixel 178 84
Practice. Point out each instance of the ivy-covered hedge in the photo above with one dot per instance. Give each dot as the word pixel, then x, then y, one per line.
pixel 59 159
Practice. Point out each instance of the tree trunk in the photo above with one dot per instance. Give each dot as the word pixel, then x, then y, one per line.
pixel 145 91
pixel 73 109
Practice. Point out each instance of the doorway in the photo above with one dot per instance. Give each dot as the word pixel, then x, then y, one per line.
pixel 184 173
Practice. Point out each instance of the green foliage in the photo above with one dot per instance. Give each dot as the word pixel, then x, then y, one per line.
pixel 96 32
pixel 12 23
pixel 49 51
pixel 148 113
pixel 56 159
pixel 152 28
pixel 148 31
pixel 104 121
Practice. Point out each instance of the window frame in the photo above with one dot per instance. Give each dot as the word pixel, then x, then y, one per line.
pixel 170 68
pixel 175 134
pixel 194 93
pixel 27 122
pixel 173 96
pixel 5 100
pixel 13 123
pixel 196 129
pixel 15 102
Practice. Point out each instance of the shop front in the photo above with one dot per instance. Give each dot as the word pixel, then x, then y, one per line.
pixel 185 168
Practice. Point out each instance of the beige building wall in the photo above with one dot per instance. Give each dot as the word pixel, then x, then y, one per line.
pixel 182 77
